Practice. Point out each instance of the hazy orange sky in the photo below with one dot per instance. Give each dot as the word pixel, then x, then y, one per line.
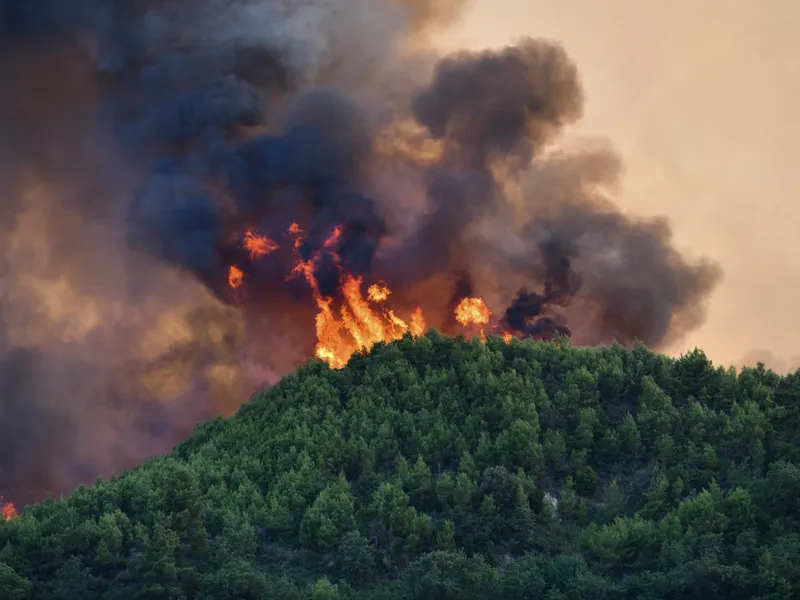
pixel 701 97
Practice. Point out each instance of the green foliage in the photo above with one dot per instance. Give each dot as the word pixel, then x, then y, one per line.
pixel 329 517
pixel 449 469
pixel 12 586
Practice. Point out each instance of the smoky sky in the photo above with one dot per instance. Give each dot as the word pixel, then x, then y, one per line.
pixel 142 139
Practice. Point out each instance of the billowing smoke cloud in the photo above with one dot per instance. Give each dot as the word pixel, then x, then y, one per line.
pixel 143 139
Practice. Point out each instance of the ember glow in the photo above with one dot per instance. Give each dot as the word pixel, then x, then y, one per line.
pixel 7 510
pixel 235 276
pixel 258 245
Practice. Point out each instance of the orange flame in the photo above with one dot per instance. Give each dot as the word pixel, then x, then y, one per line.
pixel 417 326
pixel 7 510
pixel 359 326
pixel 334 237
pixel 294 229
pixel 235 276
pixel 258 245
pixel 507 337
pixel 352 321
pixel 472 311
pixel 378 292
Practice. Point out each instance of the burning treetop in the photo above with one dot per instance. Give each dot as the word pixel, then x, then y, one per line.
pixel 361 321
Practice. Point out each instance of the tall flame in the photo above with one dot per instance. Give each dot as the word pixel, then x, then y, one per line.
pixel 357 326
pixel 417 325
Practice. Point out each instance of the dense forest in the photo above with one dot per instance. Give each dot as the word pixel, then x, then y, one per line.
pixel 447 469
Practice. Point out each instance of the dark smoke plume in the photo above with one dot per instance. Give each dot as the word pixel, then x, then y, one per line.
pixel 141 140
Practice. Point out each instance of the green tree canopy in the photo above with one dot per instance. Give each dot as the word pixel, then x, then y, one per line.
pixel 442 468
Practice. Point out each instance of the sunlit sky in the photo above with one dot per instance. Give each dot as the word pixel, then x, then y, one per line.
pixel 701 97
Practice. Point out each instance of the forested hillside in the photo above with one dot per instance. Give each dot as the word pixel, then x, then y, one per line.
pixel 442 469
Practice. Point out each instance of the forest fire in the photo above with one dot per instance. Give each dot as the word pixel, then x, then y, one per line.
pixel 239 186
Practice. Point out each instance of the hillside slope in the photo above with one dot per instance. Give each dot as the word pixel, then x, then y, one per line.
pixel 445 469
